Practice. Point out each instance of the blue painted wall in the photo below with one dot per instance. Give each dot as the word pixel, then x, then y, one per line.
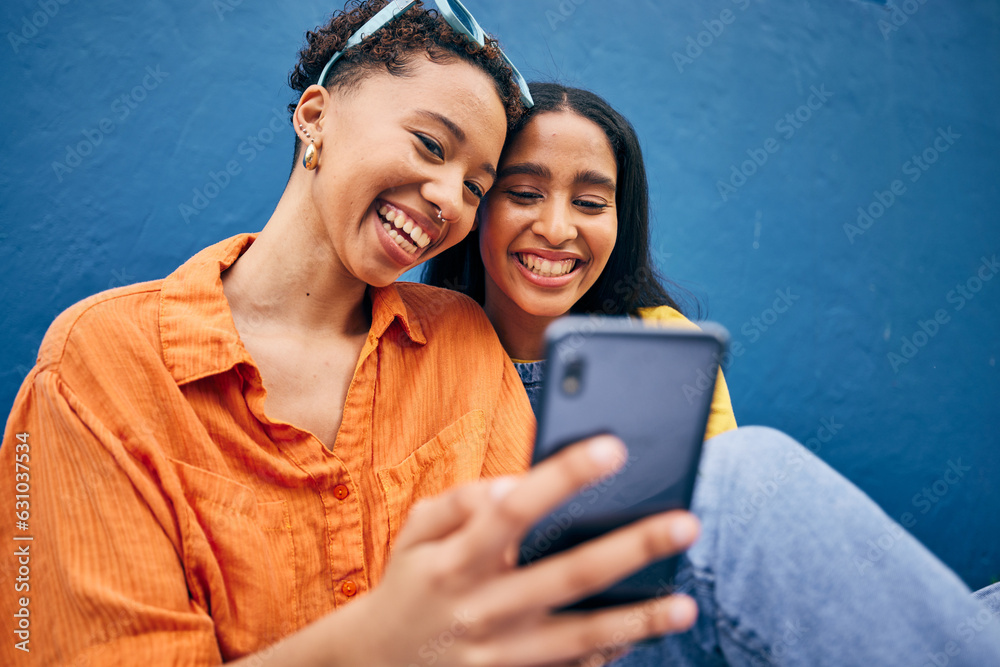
pixel 115 117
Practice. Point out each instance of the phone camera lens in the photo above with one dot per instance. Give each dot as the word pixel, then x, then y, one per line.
pixel 572 379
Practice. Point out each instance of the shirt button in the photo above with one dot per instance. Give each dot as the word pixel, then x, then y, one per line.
pixel 340 492
pixel 349 588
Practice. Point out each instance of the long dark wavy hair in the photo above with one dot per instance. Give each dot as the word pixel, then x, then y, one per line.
pixel 630 280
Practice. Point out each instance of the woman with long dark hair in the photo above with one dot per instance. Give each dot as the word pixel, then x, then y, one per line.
pixel 794 564
pixel 599 198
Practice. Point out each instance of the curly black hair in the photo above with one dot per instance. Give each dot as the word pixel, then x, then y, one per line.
pixel 392 49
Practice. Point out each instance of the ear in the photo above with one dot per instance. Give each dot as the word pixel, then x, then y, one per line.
pixel 310 114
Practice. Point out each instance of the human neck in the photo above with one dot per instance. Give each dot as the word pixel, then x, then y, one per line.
pixel 521 334
pixel 290 280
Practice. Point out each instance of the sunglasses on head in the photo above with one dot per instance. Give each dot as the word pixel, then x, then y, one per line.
pixel 452 11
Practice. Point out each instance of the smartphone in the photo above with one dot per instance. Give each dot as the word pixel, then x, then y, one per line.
pixel 648 384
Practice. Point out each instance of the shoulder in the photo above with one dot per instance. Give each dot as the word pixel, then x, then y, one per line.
pixel 667 315
pixel 456 330
pixel 436 307
pixel 104 321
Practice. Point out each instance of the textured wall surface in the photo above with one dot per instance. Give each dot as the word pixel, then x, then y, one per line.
pixel 135 134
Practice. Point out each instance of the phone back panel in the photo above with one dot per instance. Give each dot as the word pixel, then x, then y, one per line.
pixel 652 387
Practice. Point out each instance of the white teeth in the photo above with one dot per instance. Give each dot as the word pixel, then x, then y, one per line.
pixel 405 245
pixel 546 268
pixel 399 226
pixel 402 241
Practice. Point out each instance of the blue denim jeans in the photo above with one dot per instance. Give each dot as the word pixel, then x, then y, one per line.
pixel 796 566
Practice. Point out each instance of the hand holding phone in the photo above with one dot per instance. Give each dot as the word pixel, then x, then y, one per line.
pixel 650 385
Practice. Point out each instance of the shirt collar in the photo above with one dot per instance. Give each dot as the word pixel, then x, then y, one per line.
pixel 388 306
pixel 196 325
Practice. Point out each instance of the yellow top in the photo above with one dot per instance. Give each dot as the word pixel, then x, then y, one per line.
pixel 721 418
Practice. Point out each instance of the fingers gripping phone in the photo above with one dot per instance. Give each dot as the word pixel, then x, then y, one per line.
pixel 651 386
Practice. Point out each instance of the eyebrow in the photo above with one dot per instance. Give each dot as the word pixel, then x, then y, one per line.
pixel 587 176
pixel 592 177
pixel 458 133
pixel 526 169
pixel 444 120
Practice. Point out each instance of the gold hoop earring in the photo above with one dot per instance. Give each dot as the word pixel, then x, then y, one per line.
pixel 310 159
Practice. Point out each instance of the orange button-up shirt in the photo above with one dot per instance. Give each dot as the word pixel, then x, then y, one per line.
pixel 172 522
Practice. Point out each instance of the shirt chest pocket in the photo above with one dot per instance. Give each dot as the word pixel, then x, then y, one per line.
pixel 452 457
pixel 240 560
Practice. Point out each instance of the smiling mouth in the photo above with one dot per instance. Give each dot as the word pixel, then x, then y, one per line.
pixel 546 268
pixel 401 228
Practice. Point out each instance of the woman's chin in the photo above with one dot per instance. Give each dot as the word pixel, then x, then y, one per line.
pixel 545 308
